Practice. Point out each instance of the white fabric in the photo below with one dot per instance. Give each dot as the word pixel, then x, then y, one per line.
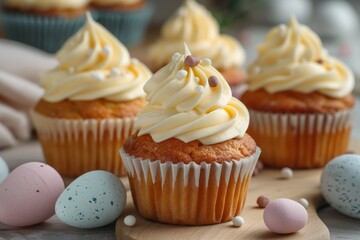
pixel 20 67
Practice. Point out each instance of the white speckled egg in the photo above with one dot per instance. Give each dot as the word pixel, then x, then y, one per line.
pixel 93 200
pixel 340 184
pixel 4 170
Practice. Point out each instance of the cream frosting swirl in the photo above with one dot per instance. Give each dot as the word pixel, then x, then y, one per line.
pixel 292 58
pixel 111 2
pixel 45 4
pixel 195 25
pixel 191 102
pixel 93 64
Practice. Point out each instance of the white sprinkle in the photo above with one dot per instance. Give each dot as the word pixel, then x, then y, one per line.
pixel 199 89
pixel 287 173
pixel 134 61
pixel 196 79
pixel 304 202
pixel 257 70
pixel 71 70
pixel 130 220
pixel 181 11
pixel 176 56
pixel 206 61
pixel 181 74
pixel 238 221
pixel 98 76
pixel 282 29
pixel 106 50
pixel 115 72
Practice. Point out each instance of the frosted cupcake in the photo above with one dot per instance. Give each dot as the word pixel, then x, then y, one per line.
pixel 90 103
pixel 195 25
pixel 41 23
pixel 299 99
pixel 191 161
pixel 126 19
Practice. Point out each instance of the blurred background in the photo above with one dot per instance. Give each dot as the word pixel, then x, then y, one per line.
pixel 335 21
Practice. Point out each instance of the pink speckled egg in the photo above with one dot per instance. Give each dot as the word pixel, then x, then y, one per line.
pixel 285 216
pixel 28 195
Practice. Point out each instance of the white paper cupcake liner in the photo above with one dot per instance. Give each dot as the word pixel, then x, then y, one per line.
pixel 74 147
pixel 140 168
pixel 189 194
pixel 287 138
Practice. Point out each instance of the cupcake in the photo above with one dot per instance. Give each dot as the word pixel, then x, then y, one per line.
pixel 194 24
pixel 126 19
pixel 191 161
pixel 90 103
pixel 43 24
pixel 299 99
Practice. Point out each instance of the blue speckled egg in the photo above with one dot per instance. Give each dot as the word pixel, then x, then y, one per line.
pixel 340 184
pixel 93 200
pixel 4 170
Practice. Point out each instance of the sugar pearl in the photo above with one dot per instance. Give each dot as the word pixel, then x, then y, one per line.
pixel 282 28
pixel 199 89
pixel 106 50
pixel 206 61
pixel 304 202
pixel 262 201
pixel 135 61
pixel 115 72
pixel 213 81
pixel 176 56
pixel 287 173
pixel 181 74
pixel 130 220
pixel 192 61
pixel 257 70
pixel 98 76
pixel 238 221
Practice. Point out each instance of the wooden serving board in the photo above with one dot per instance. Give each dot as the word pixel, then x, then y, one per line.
pixel 304 184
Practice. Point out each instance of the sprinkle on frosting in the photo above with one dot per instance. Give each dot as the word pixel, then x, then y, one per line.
pixel 181 74
pixel 213 81
pixel 293 58
pixel 190 109
pixel 196 26
pixel 103 69
pixel 192 61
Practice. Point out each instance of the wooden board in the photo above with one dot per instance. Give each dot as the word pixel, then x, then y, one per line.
pixel 304 184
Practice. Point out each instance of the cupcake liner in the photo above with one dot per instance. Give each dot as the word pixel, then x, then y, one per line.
pixel 189 194
pixel 47 33
pixel 300 140
pixel 74 147
pixel 128 26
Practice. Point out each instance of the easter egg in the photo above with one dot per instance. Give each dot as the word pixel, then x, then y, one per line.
pixel 94 199
pixel 340 184
pixel 285 216
pixel 4 170
pixel 29 193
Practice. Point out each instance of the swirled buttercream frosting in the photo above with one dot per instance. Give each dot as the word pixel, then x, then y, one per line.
pixel 110 2
pixel 193 23
pixel 45 4
pixel 190 100
pixel 292 58
pixel 93 64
